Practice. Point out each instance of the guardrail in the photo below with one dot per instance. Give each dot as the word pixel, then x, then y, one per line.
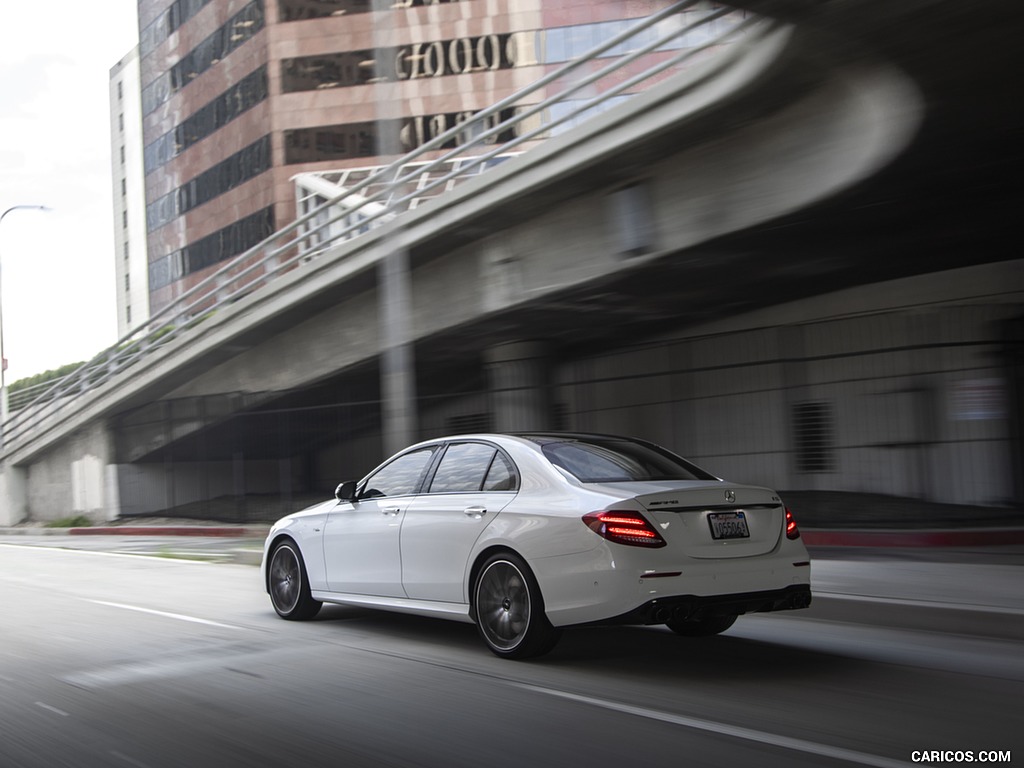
pixel 20 398
pixel 654 45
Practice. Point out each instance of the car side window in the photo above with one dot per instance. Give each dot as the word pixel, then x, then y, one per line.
pixel 398 478
pixel 501 476
pixel 462 468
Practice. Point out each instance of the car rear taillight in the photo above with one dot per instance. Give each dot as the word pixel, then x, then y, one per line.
pixel 792 532
pixel 624 527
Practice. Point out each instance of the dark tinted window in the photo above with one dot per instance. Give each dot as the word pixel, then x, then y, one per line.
pixel 236 100
pixel 463 468
pixel 232 172
pixel 501 476
pixel 609 460
pixel 239 28
pixel 399 478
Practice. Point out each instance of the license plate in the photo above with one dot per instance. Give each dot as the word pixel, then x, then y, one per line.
pixel 728 525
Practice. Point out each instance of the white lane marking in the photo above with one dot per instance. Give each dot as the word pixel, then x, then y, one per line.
pixel 188 661
pixel 171 561
pixel 129 760
pixel 920 603
pixel 747 734
pixel 60 712
pixel 165 614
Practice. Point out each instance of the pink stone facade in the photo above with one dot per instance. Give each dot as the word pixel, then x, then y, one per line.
pixel 448 58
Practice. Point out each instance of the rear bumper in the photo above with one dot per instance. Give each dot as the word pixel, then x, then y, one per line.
pixel 694 608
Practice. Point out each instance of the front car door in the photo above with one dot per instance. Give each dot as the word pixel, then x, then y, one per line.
pixel 361 538
pixel 473 482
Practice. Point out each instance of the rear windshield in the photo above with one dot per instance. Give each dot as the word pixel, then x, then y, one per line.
pixel 610 460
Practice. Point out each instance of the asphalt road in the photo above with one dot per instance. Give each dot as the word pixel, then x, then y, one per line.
pixel 111 659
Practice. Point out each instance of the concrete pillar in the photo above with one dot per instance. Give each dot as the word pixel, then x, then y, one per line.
pixel 13 495
pixel 518 375
pixel 397 362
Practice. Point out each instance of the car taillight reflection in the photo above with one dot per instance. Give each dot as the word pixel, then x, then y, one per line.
pixel 624 527
pixel 792 532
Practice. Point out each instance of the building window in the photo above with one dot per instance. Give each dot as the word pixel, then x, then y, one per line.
pixel 239 98
pixel 120 90
pixel 226 243
pixel 122 155
pixel 412 62
pixel 124 187
pixel 232 172
pixel 124 219
pixel 127 282
pixel 128 314
pixel 240 28
pixel 812 429
pixel 299 10
pixel 351 140
pixel 120 122
pixel 168 21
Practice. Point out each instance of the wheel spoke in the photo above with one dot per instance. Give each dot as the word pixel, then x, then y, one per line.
pixel 285 579
pixel 503 605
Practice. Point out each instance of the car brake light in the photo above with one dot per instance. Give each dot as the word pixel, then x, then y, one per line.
pixel 624 527
pixel 792 532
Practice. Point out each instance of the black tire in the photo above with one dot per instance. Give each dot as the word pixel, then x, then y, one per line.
pixel 288 585
pixel 703 627
pixel 509 609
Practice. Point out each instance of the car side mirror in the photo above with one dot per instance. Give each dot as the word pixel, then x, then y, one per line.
pixel 346 491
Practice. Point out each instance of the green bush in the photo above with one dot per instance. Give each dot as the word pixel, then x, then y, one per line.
pixel 78 521
pixel 45 376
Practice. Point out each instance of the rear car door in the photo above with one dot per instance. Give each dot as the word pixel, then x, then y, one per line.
pixel 472 483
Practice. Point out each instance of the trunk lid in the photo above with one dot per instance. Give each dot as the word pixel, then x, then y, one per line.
pixel 716 520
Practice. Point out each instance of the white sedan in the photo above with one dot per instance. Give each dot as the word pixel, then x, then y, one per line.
pixel 526 534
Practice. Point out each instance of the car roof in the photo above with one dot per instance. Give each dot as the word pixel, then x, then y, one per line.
pixel 556 435
pixel 534 438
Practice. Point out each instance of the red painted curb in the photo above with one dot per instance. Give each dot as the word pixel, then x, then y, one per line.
pixel 181 530
pixel 974 538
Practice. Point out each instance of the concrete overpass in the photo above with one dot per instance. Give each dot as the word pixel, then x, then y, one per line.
pixel 851 145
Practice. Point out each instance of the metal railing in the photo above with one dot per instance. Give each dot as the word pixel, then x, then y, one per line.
pixel 354 214
pixel 654 45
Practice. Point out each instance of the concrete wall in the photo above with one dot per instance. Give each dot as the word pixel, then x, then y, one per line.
pixel 13 497
pixel 206 489
pixel 907 379
pixel 74 478
pixel 914 393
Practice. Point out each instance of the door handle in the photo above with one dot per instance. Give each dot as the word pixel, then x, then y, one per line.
pixel 476 512
pixel 390 511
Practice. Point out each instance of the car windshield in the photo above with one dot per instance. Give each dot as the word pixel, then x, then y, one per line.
pixel 614 460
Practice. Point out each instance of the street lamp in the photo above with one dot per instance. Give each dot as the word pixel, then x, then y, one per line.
pixel 3 358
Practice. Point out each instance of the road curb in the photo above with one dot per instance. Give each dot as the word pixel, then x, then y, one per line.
pixel 989 537
pixel 920 615
pixel 874 538
pixel 169 530
pixel 246 532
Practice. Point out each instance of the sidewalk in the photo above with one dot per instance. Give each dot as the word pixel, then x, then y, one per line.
pixel 196 528
pixel 949 537
pixel 826 519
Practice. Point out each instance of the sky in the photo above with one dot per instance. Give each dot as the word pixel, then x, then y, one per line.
pixel 57 275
